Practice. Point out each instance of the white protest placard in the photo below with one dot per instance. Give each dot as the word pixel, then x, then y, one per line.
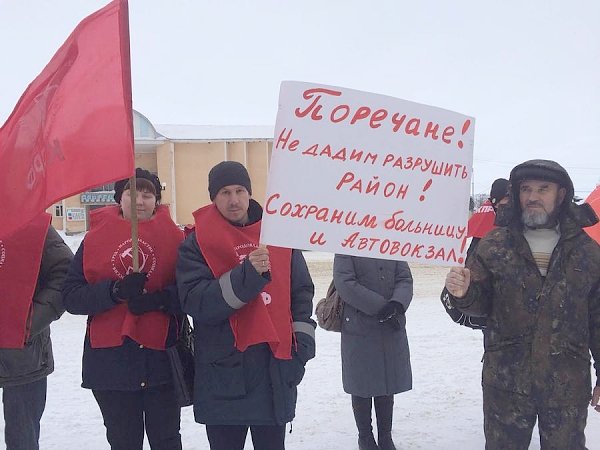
pixel 364 174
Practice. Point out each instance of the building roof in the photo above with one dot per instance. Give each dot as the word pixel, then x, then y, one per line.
pixel 215 132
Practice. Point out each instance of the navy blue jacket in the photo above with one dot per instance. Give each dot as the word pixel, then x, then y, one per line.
pixel 250 387
pixel 129 367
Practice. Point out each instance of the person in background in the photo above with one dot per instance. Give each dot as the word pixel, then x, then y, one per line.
pixel 375 353
pixel 33 265
pixel 537 279
pixel 251 307
pixel 499 195
pixel 132 316
pixel 480 223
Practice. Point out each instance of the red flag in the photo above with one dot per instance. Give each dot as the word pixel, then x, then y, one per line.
pixel 481 221
pixel 72 128
pixel 20 257
pixel 594 201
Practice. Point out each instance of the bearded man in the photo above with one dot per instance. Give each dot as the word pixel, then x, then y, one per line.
pixel 537 280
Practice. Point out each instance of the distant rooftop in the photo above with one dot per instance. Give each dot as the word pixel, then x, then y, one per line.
pixel 147 131
pixel 215 132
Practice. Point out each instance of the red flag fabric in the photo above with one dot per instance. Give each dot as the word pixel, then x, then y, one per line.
pixel 20 257
pixel 481 221
pixel 594 201
pixel 72 129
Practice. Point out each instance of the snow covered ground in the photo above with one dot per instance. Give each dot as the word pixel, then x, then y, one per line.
pixel 443 411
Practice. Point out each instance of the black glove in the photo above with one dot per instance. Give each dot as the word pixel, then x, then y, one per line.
pixel 156 301
pixel 130 286
pixel 390 314
pixel 389 310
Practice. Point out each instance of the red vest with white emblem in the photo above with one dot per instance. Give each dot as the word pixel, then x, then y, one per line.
pixel 107 254
pixel 267 318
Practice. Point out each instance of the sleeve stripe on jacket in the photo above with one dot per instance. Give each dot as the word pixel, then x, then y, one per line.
pixel 303 327
pixel 227 290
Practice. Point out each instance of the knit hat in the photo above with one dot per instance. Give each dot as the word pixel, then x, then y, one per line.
pixel 499 190
pixel 227 173
pixel 139 173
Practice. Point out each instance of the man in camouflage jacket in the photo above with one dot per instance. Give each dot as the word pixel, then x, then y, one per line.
pixel 537 280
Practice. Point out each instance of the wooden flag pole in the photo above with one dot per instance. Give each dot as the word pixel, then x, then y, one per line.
pixel 134 223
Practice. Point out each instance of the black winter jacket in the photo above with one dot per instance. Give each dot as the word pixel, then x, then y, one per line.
pixel 129 367
pixel 250 387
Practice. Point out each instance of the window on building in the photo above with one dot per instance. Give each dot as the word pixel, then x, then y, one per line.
pixel 58 210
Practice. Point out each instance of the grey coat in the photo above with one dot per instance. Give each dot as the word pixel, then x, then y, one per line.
pixel 375 355
pixel 35 361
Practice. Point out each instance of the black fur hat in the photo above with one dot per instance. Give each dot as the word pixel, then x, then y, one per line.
pixel 541 170
pixel 227 173
pixel 139 173
pixel 544 170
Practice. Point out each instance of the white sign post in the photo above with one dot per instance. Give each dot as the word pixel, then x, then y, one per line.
pixel 368 175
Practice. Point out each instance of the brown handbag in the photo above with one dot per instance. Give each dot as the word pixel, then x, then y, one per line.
pixel 329 310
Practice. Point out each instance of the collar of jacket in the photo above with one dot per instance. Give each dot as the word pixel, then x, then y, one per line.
pixel 254 214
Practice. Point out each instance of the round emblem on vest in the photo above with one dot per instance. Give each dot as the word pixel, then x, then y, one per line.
pixel 122 258
pixel 266 297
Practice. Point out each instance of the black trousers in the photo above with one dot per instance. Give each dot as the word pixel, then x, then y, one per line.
pixel 233 437
pixel 23 409
pixel 126 414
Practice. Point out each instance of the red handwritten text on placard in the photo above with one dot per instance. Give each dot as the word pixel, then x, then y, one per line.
pixel 372 186
pixel 318 240
pixel 434 167
pixel 274 205
pixel 392 247
pixel 317 110
pixel 369 158
pixel 390 160
pixel 397 222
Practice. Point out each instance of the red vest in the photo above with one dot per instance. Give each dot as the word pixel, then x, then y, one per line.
pixel 107 254
pixel 267 318
pixel 20 258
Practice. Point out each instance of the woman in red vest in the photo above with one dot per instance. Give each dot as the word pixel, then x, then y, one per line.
pixel 132 317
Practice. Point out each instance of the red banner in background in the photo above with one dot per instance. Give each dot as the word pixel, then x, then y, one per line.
pixel 594 201
pixel 72 128
pixel 481 221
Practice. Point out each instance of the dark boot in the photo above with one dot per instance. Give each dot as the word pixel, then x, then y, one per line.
pixel 362 415
pixel 384 408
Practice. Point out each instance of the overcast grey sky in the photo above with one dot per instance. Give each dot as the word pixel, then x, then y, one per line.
pixel 528 71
